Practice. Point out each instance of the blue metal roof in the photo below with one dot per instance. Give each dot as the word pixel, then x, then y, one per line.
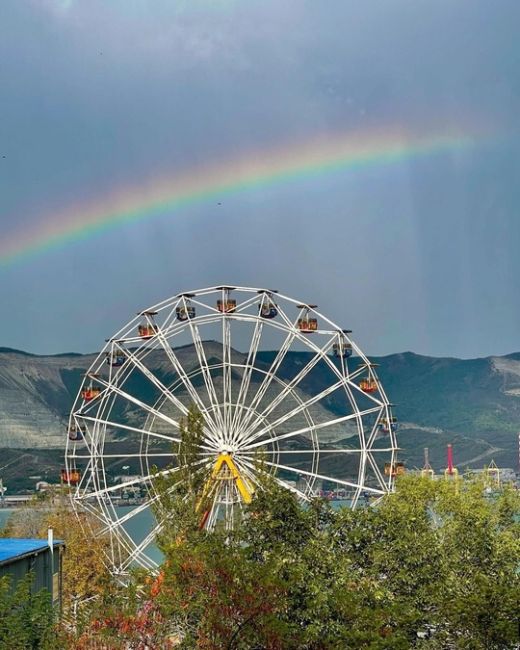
pixel 11 547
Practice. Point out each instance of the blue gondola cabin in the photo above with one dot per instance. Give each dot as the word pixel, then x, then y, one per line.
pixel 185 313
pixel 77 433
pixel 115 359
pixel 268 310
pixel 388 425
pixel 342 350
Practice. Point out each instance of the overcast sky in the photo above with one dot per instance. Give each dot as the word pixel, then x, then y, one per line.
pixel 420 255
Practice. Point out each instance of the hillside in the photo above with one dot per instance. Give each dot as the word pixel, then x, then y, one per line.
pixel 475 404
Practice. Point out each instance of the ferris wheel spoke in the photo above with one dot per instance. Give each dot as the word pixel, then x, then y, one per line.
pixel 115 523
pixel 376 428
pixel 358 372
pixel 280 481
pixel 123 456
pixel 266 382
pixel 134 400
pixel 246 468
pixel 299 432
pixel 245 304
pixel 206 373
pixel 379 476
pixel 276 452
pixel 86 476
pixel 137 552
pixel 246 376
pixel 323 477
pixel 87 507
pixel 142 480
pixel 127 427
pixel 226 373
pixel 155 381
pixel 289 388
pixel 303 406
pixel 139 508
pixel 373 433
pixel 210 424
pixel 251 470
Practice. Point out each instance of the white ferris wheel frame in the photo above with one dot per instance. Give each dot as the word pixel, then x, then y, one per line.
pixel 232 424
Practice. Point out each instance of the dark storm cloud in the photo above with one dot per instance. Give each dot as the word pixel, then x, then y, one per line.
pixel 97 95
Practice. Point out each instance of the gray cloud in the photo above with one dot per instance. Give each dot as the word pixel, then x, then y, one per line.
pixel 420 255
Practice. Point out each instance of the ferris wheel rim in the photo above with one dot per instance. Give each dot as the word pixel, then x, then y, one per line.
pixel 232 416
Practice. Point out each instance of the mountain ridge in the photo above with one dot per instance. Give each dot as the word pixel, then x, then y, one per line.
pixel 472 403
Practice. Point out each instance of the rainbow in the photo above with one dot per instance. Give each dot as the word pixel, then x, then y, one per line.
pixel 324 155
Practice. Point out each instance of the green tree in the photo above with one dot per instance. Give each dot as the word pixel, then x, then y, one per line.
pixel 27 619
pixel 433 565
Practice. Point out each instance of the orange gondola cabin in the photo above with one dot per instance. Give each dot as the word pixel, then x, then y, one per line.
pixel 368 385
pixel 307 323
pixel 227 306
pixel 71 477
pixel 147 330
pixel 394 469
pixel 88 393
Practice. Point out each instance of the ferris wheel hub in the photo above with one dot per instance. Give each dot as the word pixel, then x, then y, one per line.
pixel 227 450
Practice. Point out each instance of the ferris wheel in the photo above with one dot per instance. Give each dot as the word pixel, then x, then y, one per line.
pixel 273 379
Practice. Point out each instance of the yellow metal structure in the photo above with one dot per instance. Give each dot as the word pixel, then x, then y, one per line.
pixel 453 476
pixel 454 473
pixel 493 474
pixel 226 470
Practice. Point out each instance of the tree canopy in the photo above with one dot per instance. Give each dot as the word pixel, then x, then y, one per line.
pixel 434 565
